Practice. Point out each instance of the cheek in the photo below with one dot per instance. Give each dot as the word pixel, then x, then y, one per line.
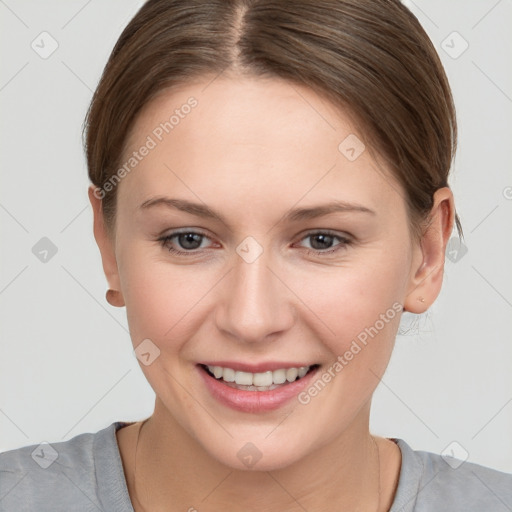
pixel 359 301
pixel 360 309
pixel 163 301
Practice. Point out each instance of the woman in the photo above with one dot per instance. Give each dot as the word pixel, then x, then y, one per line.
pixel 270 193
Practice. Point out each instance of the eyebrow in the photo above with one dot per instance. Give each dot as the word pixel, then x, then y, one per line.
pixel 295 215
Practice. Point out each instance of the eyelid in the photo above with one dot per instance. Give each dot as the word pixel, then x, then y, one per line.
pixel 165 239
pixel 342 236
pixel 180 231
pixel 335 234
pixel 344 240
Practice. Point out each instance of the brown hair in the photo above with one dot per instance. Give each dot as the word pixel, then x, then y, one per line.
pixel 371 58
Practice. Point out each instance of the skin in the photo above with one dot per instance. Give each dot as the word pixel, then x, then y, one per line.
pixel 252 150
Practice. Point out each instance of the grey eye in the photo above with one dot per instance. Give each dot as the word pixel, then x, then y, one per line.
pixel 189 240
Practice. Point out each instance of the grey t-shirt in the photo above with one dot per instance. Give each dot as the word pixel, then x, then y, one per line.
pixel 86 474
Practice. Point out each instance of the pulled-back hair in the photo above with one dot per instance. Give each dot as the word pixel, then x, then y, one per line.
pixel 371 58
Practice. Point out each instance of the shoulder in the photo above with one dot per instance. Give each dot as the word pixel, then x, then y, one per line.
pixel 64 473
pixel 429 482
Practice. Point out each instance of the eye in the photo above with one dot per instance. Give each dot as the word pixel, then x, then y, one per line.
pixel 189 241
pixel 325 242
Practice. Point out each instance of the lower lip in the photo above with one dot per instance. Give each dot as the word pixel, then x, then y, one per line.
pixel 255 401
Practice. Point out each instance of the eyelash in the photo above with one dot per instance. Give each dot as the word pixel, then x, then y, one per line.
pixel 343 242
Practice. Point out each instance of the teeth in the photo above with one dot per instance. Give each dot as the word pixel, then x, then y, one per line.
pixel 243 378
pixel 279 376
pixel 217 371
pixel 260 380
pixel 227 374
pixel 291 374
pixel 302 371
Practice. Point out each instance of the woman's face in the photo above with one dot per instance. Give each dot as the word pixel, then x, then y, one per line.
pixel 306 260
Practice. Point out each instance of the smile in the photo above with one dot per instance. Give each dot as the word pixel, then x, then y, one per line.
pixel 264 381
pixel 255 392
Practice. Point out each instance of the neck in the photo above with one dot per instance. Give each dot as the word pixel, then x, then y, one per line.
pixel 171 467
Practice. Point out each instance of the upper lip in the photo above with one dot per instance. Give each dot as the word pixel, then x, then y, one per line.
pixel 256 368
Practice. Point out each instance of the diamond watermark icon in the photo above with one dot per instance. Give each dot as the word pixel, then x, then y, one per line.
pixel 146 352
pixel 45 455
pixel 44 45
pixel 44 250
pixel 455 249
pixel 454 45
pixel 249 454
pixel 351 147
pixel 249 249
pixel 455 455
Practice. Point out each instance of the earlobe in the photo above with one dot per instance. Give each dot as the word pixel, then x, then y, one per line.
pixel 428 263
pixel 107 249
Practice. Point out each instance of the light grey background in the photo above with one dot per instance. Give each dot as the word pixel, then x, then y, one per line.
pixel 66 362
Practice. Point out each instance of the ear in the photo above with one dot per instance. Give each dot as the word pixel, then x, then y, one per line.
pixel 428 261
pixel 106 246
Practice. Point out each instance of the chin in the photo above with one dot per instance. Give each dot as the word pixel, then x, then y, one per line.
pixel 242 455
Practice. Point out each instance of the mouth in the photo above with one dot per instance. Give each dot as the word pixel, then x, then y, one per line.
pixel 259 381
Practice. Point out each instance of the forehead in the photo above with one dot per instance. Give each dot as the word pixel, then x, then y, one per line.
pixel 273 113
pixel 263 139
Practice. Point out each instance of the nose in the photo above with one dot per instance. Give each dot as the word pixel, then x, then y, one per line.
pixel 255 303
